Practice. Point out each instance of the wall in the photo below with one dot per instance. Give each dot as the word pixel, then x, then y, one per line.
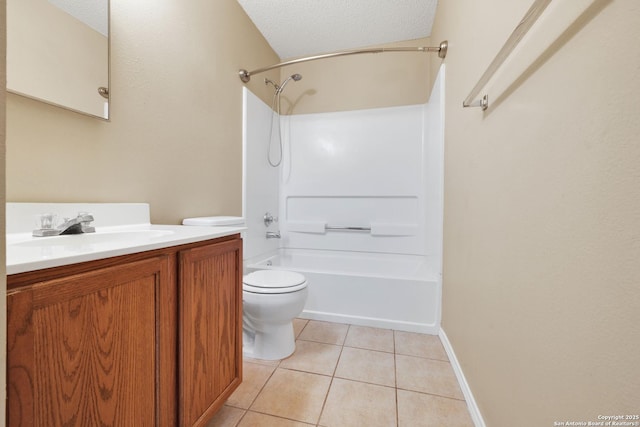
pixel 175 136
pixel 261 181
pixel 359 169
pixel 359 82
pixel 542 216
pixel 3 281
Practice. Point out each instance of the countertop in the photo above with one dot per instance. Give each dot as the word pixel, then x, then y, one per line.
pixel 28 253
pixel 121 229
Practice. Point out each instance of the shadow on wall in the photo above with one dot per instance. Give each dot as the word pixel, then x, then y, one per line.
pixel 291 105
pixel 581 21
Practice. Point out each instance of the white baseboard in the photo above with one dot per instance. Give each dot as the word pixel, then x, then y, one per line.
pixel 474 411
pixel 397 325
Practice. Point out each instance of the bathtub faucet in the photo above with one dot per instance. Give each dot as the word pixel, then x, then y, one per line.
pixel 273 234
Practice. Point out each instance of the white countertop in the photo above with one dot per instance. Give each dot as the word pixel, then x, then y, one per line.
pixel 28 253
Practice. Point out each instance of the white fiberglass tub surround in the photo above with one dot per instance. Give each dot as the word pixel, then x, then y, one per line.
pixel 392 291
pixel 379 174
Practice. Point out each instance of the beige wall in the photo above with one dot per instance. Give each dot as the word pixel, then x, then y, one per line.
pixel 3 281
pixel 175 136
pixel 359 81
pixel 542 217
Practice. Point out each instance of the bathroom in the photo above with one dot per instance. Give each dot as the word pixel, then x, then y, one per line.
pixel 541 195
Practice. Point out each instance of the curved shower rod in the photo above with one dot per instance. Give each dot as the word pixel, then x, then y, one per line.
pixel 245 75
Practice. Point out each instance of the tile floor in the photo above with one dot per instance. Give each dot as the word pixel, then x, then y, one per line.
pixel 349 376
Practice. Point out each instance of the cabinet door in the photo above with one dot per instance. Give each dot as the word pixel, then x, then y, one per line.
pixel 84 350
pixel 210 319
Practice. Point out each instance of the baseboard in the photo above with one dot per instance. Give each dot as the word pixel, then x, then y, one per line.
pixel 476 416
pixel 373 322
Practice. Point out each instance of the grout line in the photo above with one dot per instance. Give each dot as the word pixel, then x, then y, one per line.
pixel 431 394
pixel 324 402
pixel 282 418
pixel 395 378
pixel 263 386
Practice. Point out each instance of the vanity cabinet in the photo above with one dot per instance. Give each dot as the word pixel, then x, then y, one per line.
pixel 210 328
pixel 147 339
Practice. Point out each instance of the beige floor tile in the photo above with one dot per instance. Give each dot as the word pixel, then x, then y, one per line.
pixel 273 363
pixel 427 376
pixel 293 395
pixel 370 338
pixel 313 357
pixel 326 332
pixel 253 419
pixel 226 417
pixel 367 366
pixel 420 345
pixel 298 326
pixel 356 404
pixel 424 410
pixel 254 377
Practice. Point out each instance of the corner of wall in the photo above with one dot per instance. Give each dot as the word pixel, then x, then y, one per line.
pixel 3 278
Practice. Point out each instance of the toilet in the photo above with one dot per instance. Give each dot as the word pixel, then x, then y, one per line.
pixel 271 299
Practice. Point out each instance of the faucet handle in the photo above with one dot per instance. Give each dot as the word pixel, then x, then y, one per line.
pixel 85 219
pixel 85 216
pixel 269 219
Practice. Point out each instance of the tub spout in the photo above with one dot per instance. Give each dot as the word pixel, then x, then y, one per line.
pixel 273 234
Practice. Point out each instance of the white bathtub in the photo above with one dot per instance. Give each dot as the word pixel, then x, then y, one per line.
pixel 401 292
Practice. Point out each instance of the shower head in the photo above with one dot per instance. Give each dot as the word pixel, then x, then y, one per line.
pixel 294 77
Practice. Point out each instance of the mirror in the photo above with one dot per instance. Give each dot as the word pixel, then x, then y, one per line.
pixel 58 53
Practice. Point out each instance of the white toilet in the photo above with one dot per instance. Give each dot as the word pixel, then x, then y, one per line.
pixel 271 299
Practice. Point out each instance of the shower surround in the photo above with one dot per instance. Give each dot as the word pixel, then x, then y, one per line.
pixel 379 171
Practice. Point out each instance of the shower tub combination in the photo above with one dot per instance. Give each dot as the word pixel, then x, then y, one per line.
pixel 392 291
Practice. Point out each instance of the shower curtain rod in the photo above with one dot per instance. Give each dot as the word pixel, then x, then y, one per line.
pixel 245 75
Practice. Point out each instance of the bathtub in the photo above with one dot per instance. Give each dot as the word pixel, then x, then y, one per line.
pixel 401 292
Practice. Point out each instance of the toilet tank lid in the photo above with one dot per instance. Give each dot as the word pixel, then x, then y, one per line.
pixel 214 221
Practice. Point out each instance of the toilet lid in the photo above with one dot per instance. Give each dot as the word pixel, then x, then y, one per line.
pixel 273 281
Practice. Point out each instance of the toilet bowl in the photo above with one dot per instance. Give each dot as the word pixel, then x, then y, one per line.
pixel 271 299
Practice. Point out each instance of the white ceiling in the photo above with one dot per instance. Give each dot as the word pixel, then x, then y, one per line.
pixel 296 28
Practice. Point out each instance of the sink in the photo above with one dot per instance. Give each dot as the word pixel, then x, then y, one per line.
pixel 121 229
pixel 110 237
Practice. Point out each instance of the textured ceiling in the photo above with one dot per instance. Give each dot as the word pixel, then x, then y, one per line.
pixel 297 28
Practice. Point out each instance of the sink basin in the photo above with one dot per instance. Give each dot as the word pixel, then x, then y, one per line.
pixel 110 237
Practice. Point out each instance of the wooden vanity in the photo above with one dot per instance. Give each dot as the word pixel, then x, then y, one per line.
pixel 152 338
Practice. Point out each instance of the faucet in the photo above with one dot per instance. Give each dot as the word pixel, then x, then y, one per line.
pixel 273 234
pixel 77 225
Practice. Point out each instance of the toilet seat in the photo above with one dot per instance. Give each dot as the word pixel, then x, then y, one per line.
pixel 273 282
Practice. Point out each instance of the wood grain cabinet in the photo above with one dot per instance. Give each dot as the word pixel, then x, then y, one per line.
pixel 210 329
pixel 148 339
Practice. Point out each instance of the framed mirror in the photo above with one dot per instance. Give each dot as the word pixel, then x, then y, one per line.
pixel 58 53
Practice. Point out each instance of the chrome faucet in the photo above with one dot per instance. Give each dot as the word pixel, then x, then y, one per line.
pixel 273 234
pixel 79 224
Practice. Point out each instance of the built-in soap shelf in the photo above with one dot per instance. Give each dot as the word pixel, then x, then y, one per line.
pixel 374 228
